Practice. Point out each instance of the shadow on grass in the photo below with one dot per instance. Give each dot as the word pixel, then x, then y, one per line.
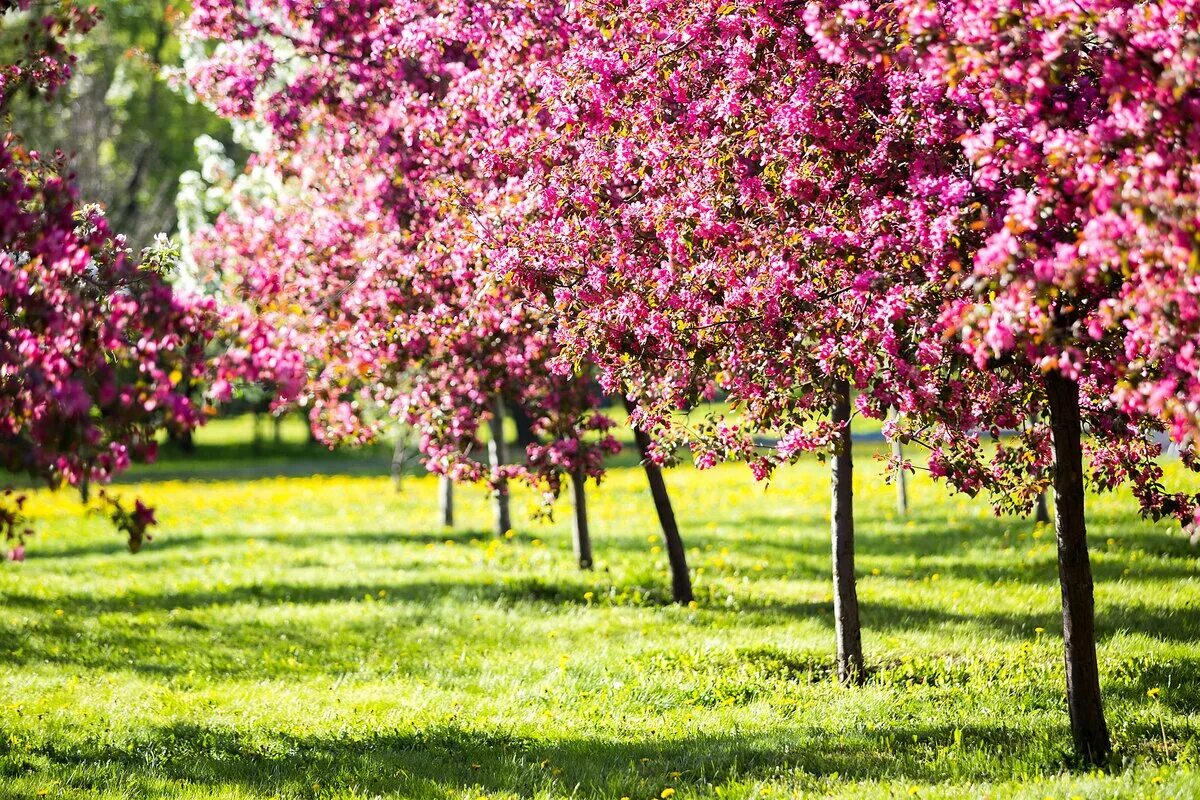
pixel 172 542
pixel 917 553
pixel 451 761
pixel 893 617
pixel 422 592
pixel 122 642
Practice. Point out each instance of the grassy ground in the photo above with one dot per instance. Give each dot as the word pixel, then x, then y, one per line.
pixel 322 637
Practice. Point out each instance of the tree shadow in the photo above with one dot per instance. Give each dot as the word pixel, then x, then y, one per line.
pixel 169 543
pixel 449 761
pixel 519 590
pixel 190 619
pixel 893 617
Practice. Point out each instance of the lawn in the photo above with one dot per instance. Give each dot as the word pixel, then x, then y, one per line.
pixel 320 636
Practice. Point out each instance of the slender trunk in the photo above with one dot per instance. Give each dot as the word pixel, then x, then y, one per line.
pixel 498 457
pixel 524 426
pixel 901 480
pixel 183 440
pixel 1042 511
pixel 582 539
pixel 1088 727
pixel 446 501
pixel 681 579
pixel 277 422
pixel 182 437
pixel 847 627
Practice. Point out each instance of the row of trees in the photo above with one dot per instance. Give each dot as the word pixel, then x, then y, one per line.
pixel 978 216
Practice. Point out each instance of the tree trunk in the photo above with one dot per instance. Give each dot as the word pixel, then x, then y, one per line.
pixel 183 440
pixel 497 457
pixel 524 426
pixel 681 579
pixel 277 422
pixel 446 501
pixel 582 539
pixel 847 627
pixel 901 480
pixel 1042 511
pixel 1088 727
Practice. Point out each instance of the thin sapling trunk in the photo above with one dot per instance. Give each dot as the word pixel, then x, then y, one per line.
pixel 847 627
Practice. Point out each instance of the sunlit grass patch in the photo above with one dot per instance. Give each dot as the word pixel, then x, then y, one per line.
pixel 323 637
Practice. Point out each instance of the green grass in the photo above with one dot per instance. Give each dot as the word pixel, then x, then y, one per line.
pixel 322 637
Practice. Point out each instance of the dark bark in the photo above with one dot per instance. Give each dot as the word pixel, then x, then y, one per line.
pixel 847 626
pixel 681 579
pixel 446 501
pixel 524 425
pixel 582 540
pixel 1042 510
pixel 1088 728
pixel 277 423
pixel 497 456
pixel 184 440
pixel 901 481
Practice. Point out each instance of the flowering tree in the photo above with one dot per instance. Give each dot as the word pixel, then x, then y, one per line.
pixel 786 201
pixel 1079 123
pixel 718 208
pixel 372 257
pixel 94 346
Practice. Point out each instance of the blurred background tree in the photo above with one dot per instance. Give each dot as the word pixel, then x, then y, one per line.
pixel 128 134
